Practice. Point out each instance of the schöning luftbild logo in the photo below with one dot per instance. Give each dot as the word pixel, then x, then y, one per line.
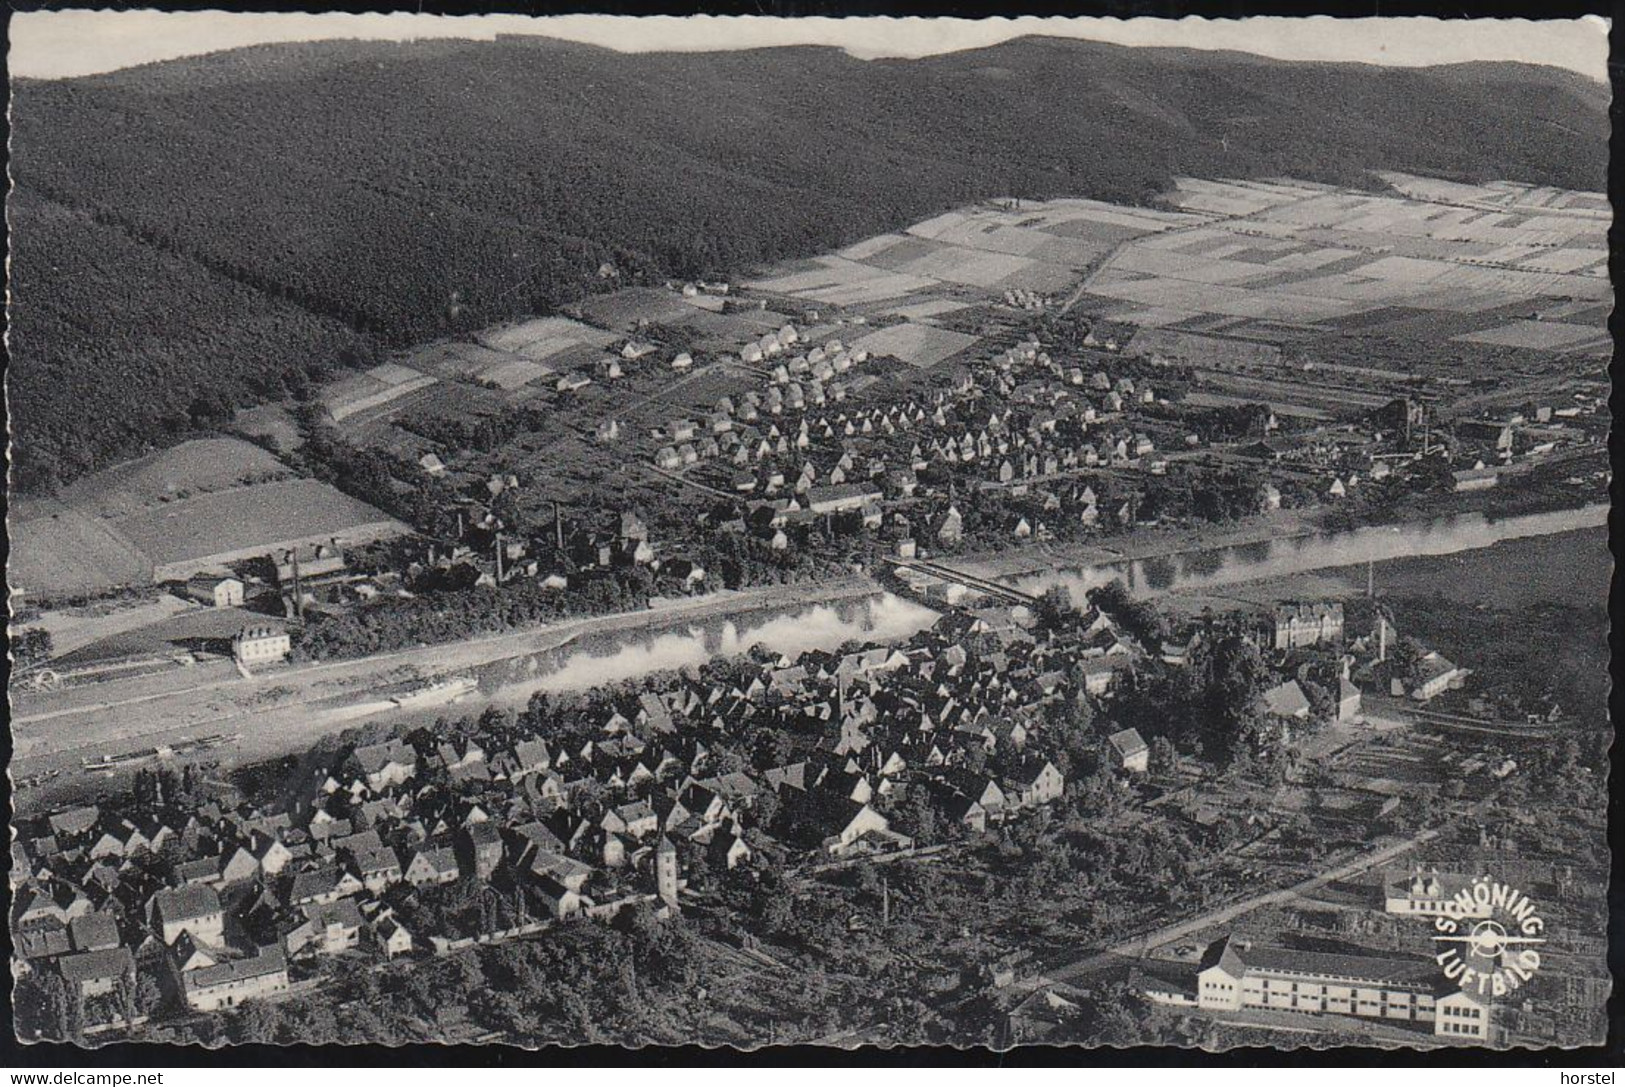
pixel 1488 934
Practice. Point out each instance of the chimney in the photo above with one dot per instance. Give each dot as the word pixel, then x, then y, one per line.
pixel 499 558
pixel 298 589
pixel 558 525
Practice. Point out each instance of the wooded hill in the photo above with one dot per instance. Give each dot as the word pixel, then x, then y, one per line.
pixel 205 232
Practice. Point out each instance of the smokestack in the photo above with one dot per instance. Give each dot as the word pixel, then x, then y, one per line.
pixel 558 525
pixel 459 524
pixel 298 589
pixel 499 558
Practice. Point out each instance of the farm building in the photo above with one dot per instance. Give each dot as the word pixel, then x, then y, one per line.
pixel 307 562
pixel 225 592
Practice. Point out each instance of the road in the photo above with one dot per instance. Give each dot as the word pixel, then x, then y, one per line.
pixel 1143 944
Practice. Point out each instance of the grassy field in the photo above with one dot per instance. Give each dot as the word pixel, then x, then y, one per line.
pixel 77 542
pixel 247 519
pixel 57 549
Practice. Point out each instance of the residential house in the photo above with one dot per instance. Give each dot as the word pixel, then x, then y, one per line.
pixel 432 865
pixel 95 973
pixel 329 928
pixel 235 981
pixel 194 908
pixel 1132 752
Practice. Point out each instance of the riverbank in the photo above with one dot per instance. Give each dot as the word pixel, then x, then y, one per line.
pixel 1146 542
pixel 1172 541
pixel 284 710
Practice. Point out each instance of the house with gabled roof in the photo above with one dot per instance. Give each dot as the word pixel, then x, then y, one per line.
pixel 96 931
pixel 329 928
pixel 1032 781
pixel 386 764
pixel 95 973
pixel 432 865
pixel 194 908
pixel 318 885
pixel 234 982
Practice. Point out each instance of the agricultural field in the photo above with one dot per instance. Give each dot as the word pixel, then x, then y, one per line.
pixel 73 543
pixel 372 389
pixel 961 256
pixel 58 549
pixel 916 344
pixel 135 522
pixel 189 469
pixel 227 525
pixel 1500 264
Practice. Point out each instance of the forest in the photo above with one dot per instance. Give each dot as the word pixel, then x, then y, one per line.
pixel 239 221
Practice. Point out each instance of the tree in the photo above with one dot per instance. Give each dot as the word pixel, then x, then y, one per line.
pixel 1139 618
pixel 1055 610
pixel 46 1008
pixel 254 1022
pixel 30 646
pixel 1163 760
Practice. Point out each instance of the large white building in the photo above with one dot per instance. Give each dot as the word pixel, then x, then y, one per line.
pixel 261 645
pixel 1233 977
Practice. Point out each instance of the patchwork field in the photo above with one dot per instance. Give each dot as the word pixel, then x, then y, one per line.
pixel 1503 264
pixel 974 253
pixel 371 389
pixel 57 549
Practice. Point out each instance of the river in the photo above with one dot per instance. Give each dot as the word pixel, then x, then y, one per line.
pixel 885 617
pixel 1206 568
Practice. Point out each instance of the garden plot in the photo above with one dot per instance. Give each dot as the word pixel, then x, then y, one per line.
pixel 916 344
pixel 543 337
pixel 374 388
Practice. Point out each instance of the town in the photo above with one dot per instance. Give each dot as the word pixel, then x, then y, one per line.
pixel 693 795
pixel 264 773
